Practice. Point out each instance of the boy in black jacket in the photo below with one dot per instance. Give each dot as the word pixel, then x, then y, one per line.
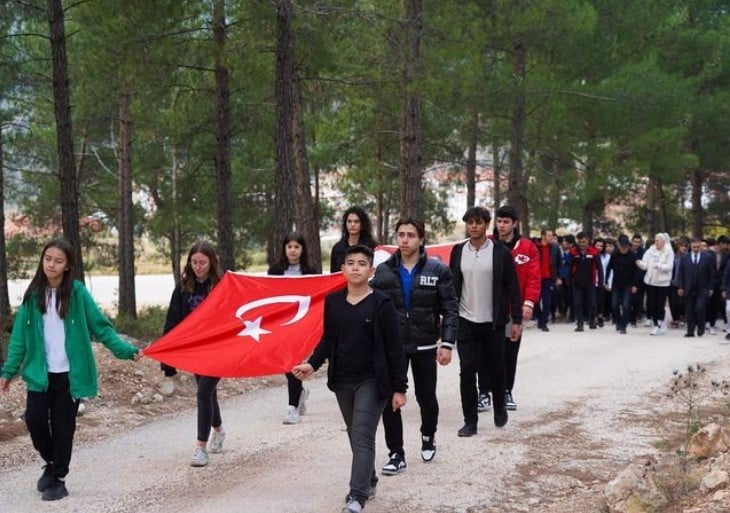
pixel 422 290
pixel 366 365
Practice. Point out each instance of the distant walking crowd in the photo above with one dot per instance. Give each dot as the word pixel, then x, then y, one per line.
pixel 624 281
pixel 409 312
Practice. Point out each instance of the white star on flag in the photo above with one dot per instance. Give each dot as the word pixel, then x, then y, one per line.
pixel 253 329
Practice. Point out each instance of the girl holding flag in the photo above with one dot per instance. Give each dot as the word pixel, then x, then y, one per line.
pixel 200 275
pixel 294 261
pixel 51 347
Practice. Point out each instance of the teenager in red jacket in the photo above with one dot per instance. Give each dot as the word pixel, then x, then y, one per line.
pixel 584 277
pixel 527 264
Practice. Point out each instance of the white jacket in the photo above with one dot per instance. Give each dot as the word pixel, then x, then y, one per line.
pixel 658 264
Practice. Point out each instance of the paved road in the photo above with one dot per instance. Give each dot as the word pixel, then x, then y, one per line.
pixel 151 290
pixel 580 398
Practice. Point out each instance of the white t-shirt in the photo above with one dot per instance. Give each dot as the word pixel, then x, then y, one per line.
pixel 54 336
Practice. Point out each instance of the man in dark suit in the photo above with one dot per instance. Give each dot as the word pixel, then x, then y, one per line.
pixel 695 282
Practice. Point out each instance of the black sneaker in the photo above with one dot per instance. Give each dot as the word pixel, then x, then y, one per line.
pixel 47 478
pixel 579 328
pixel 727 337
pixel 55 491
pixel 467 430
pixel 600 323
pixel 500 418
pixel 484 403
pixel 428 449
pixel 509 401
pixel 395 465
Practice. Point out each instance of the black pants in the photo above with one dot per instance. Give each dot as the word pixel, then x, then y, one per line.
pixel 51 420
pixel 295 388
pixel 584 303
pixel 511 350
pixel 209 413
pixel 423 368
pixel 480 344
pixel 676 304
pixel 637 304
pixel 695 311
pixel 656 300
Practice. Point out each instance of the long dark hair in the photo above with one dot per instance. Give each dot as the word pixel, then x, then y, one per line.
pixel 305 263
pixel 187 281
pixel 39 284
pixel 366 227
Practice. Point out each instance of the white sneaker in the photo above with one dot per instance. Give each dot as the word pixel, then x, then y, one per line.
pixel 200 458
pixel 711 331
pixel 655 331
pixel 216 441
pixel 302 406
pixel 662 328
pixel 291 415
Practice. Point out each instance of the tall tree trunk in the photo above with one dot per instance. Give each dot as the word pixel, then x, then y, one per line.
pixel 497 173
pixel 306 220
pixel 223 140
pixel 517 191
pixel 411 175
pixel 284 180
pixel 651 204
pixel 175 235
pixel 4 293
pixel 471 160
pixel 127 300
pixel 696 180
pixel 661 202
pixel 64 134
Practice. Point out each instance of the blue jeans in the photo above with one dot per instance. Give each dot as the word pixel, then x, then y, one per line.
pixel 361 409
pixel 621 305
pixel 547 293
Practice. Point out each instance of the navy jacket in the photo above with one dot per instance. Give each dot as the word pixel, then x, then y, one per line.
pixel 698 279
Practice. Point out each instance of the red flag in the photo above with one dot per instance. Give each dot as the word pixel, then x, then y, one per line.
pixel 250 326
pixel 440 252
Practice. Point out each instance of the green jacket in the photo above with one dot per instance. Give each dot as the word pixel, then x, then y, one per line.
pixel 27 353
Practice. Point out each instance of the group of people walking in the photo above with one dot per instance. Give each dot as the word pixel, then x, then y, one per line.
pixel 622 279
pixel 410 311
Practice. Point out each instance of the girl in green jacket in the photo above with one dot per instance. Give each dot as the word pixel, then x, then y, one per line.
pixel 51 347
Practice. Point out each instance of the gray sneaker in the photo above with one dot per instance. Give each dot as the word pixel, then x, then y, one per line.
pixel 216 441
pixel 302 406
pixel 200 458
pixel 353 506
pixel 291 415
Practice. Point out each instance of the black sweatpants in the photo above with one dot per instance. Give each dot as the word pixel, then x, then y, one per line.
pixel 423 368
pixel 51 420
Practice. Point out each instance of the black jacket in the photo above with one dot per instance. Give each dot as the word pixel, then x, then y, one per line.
pixel 698 279
pixel 181 304
pixel 505 287
pixel 389 358
pixel 337 256
pixel 434 309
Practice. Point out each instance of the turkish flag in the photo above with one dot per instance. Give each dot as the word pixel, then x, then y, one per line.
pixel 440 252
pixel 250 326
